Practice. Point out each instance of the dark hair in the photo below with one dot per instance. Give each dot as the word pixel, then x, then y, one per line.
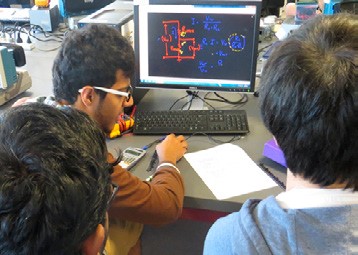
pixel 308 95
pixel 54 180
pixel 90 56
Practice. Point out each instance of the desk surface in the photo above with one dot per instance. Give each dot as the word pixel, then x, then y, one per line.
pixel 197 194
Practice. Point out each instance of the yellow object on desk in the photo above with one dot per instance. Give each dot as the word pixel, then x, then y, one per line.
pixel 124 123
pixel 42 3
pixel 115 131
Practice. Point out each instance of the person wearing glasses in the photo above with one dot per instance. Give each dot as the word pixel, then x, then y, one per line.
pixel 55 186
pixel 92 72
pixel 309 102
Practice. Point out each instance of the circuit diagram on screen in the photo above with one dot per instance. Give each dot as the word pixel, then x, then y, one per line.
pixel 178 43
pixel 204 42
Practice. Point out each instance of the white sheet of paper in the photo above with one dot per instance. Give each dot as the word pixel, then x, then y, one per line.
pixel 228 171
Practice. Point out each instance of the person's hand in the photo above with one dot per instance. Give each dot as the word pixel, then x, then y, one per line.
pixel 20 101
pixel 172 148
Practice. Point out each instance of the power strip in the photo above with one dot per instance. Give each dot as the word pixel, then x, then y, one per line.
pixel 25 45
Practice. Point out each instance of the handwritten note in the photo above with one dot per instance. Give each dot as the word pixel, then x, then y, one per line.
pixel 228 171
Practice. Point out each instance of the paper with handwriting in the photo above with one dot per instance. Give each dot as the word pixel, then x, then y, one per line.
pixel 228 171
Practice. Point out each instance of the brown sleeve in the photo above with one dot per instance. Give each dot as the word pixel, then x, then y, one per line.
pixel 158 202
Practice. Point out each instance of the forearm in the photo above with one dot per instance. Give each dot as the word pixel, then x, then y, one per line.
pixel 157 203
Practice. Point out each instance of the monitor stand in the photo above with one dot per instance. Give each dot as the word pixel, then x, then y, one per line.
pixel 195 102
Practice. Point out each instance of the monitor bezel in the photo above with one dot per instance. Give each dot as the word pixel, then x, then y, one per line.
pixel 136 82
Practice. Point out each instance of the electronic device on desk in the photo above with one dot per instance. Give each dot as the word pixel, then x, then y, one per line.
pixel 115 15
pixel 48 18
pixel 131 157
pixel 198 45
pixel 12 81
pixel 272 7
pixel 69 8
pixel 335 6
pixel 16 3
pixel 13 15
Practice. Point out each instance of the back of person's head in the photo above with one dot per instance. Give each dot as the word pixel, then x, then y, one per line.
pixel 309 99
pixel 90 56
pixel 54 180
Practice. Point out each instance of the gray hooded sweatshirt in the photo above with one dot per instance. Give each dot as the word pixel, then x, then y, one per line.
pixel 263 227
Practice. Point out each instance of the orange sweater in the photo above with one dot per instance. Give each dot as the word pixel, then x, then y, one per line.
pixel 139 202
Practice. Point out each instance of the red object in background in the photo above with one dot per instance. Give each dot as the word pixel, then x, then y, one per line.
pixel 304 12
pixel 201 215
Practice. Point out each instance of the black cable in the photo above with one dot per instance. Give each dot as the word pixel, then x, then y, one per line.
pixel 190 102
pixel 18 39
pixel 23 27
pixel 263 48
pixel 205 102
pixel 38 28
pixel 233 139
pixel 119 157
pixel 14 32
pixel 171 107
pixel 154 159
pixel 243 100
pixel 194 94
pixel 28 39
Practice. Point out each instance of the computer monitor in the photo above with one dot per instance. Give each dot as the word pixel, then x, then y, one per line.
pixel 208 45
pixel 272 7
pixel 70 8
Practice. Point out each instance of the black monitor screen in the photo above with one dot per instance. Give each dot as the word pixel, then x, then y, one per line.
pixel 70 8
pixel 198 46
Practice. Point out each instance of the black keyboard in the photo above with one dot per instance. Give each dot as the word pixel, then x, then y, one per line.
pixel 226 122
